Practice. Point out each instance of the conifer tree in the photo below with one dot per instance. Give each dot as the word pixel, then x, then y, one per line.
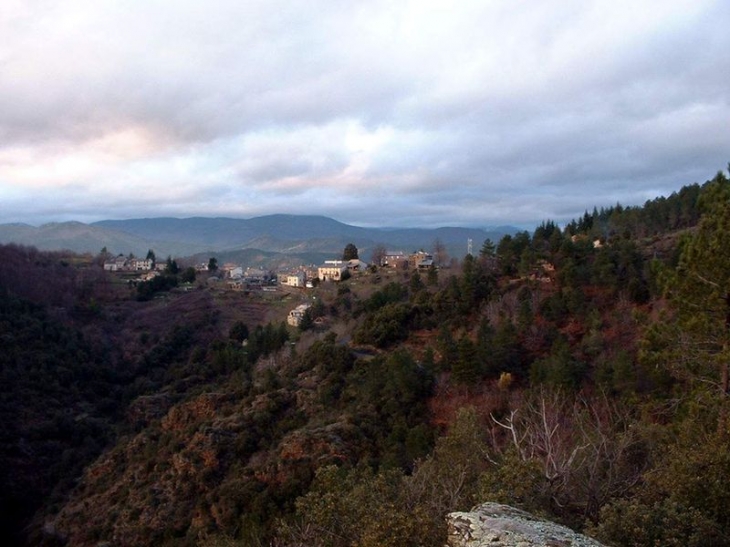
pixel 699 290
pixel 466 368
pixel 488 249
pixel 350 252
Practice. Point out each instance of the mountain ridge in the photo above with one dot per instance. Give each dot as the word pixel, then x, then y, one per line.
pixel 281 233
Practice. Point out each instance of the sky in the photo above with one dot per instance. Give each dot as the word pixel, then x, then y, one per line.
pixel 378 113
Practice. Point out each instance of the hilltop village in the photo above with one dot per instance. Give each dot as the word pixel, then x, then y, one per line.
pixel 236 277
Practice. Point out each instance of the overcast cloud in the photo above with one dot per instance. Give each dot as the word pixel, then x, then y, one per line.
pixel 395 113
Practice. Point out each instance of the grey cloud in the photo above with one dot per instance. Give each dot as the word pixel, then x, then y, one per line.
pixel 477 114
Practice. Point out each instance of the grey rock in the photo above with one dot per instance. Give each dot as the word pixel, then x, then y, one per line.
pixel 496 525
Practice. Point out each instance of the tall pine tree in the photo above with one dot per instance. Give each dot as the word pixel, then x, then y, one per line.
pixel 699 290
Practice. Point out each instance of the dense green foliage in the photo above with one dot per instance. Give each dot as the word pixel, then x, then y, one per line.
pixel 661 215
pixel 146 290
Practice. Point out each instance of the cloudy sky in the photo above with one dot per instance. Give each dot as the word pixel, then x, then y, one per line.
pixel 398 113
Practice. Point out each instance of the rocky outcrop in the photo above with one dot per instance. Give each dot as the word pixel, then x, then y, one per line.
pixel 495 525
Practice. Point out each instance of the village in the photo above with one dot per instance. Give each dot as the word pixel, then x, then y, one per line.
pixel 236 277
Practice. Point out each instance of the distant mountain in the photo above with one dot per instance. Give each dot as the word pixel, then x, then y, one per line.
pixel 298 237
pixel 300 234
pixel 88 238
pixel 221 233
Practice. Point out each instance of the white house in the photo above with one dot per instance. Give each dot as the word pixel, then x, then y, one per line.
pixel 141 264
pixel 331 270
pixel 116 264
pixel 294 280
pixel 295 316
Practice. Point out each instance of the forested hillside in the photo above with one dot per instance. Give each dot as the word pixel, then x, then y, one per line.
pixel 579 373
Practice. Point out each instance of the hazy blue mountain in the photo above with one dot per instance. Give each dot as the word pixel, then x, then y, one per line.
pixel 285 233
pixel 296 236
pixel 231 232
pixel 87 238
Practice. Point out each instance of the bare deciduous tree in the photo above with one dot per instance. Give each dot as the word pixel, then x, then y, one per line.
pixel 585 451
pixel 440 255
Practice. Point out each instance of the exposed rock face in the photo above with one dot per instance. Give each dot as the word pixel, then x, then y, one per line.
pixel 495 525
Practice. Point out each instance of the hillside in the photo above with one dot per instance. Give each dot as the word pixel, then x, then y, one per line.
pixel 555 371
